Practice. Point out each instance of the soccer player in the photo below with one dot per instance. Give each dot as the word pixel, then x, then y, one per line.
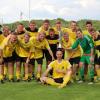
pixel 5 32
pixel 32 29
pixel 53 43
pixel 96 38
pixel 61 71
pixel 27 47
pixel 59 30
pixel 40 43
pixel 73 56
pixel 86 44
pixel 45 27
pixel 8 45
pixel 1 67
pixel 72 30
pixel 20 31
pixel 89 27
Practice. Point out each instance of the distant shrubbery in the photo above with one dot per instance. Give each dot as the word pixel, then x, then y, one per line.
pixel 81 23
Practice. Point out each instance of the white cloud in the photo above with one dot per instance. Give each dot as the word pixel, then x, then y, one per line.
pixel 71 10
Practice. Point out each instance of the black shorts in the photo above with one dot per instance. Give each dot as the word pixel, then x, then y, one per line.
pixel 32 62
pixel 97 60
pixel 58 80
pixel 75 60
pixel 23 59
pixel 48 56
pixel 39 60
pixel 18 58
pixel 8 59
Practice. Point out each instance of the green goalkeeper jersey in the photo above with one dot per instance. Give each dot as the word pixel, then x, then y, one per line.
pixel 86 44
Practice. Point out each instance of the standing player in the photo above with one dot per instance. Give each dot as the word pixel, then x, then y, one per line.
pixel 5 32
pixel 73 56
pixel 53 43
pixel 86 44
pixel 96 38
pixel 20 31
pixel 45 27
pixel 32 29
pixel 72 34
pixel 40 43
pixel 89 27
pixel 27 47
pixel 59 30
pixel 8 45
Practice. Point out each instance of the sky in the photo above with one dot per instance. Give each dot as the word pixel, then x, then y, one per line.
pixel 11 10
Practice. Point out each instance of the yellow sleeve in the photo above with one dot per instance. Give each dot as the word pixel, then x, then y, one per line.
pixel 40 29
pixel 4 43
pixel 47 44
pixel 52 64
pixel 32 49
pixel 32 39
pixel 68 65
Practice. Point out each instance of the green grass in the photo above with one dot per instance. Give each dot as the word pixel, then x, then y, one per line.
pixel 35 91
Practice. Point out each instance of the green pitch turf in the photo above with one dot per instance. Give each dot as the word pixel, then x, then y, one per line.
pixel 36 91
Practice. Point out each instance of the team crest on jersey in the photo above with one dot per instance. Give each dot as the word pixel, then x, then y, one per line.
pixel 62 67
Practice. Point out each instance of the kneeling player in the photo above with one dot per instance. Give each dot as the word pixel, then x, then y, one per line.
pixel 61 71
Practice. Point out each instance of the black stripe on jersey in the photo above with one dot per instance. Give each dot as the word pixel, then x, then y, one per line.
pixel 28 29
pixel 55 37
pixel 19 33
pixel 97 47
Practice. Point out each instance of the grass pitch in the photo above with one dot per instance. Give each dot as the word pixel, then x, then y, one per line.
pixel 36 91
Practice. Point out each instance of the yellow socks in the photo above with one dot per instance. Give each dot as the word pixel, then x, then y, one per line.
pixel 18 75
pixel 1 77
pixel 10 77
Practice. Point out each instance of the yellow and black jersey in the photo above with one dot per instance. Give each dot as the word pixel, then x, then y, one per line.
pixel 23 49
pixel 7 47
pixel 53 41
pixel 2 37
pixel 20 34
pixel 57 31
pixel 39 46
pixel 32 32
pixel 29 30
pixel 41 29
pixel 68 44
pixel 71 33
pixel 97 45
pixel 63 65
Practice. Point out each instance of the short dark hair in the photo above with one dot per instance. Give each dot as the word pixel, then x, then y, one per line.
pixel 60 49
pixel 88 22
pixel 46 21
